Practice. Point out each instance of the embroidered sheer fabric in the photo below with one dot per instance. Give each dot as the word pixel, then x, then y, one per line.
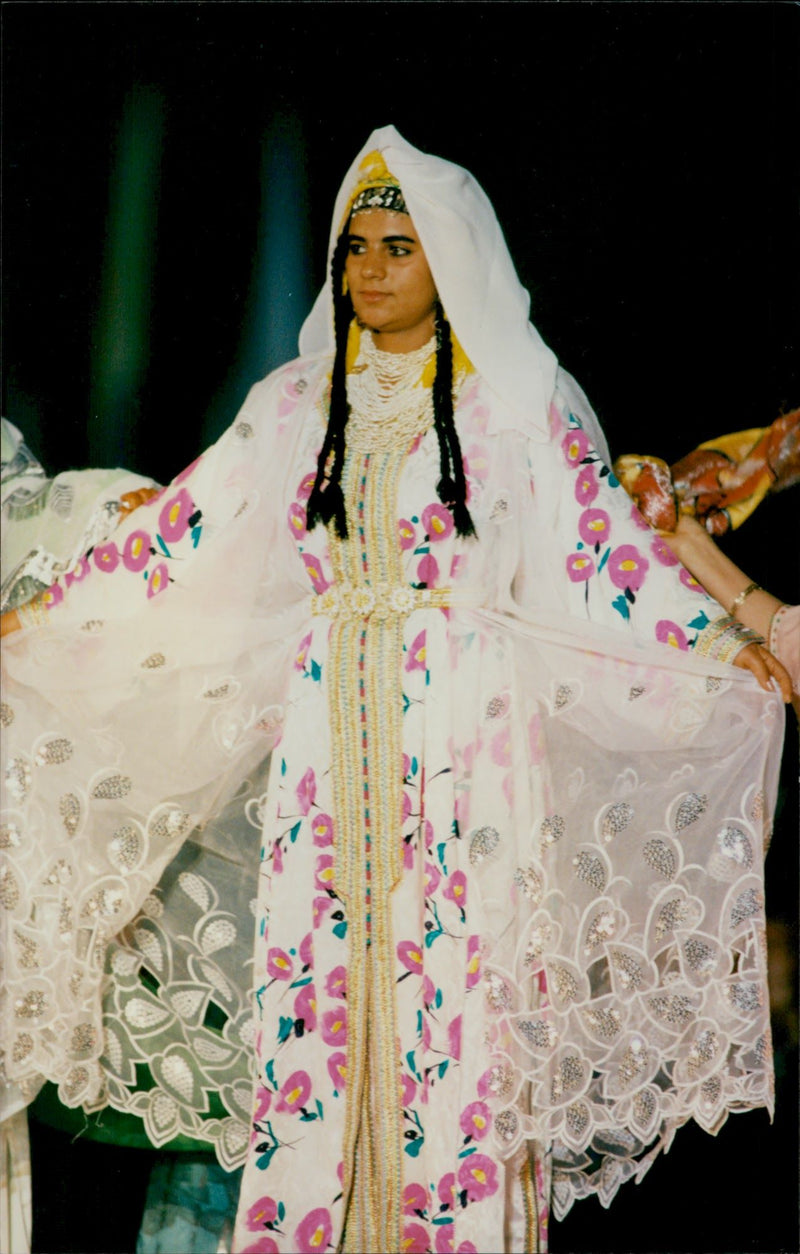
pixel 500 846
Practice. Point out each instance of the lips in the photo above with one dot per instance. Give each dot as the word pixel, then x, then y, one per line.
pixel 372 297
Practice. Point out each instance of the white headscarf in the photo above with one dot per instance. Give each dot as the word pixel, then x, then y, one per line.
pixel 478 286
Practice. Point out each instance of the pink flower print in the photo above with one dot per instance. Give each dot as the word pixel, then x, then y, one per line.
pixel 476 1119
pixel 638 520
pixel 322 830
pixel 409 1089
pixel 688 580
pixel 261 1213
pixel 277 859
pixel 476 462
pixel 670 633
pixel 580 567
pixel 323 876
pixel 173 521
pixel 106 557
pixel 305 1007
pixel 279 964
pixel 159 580
pixel 406 807
pixel 501 747
pixel 306 791
pixel 536 739
pixel 428 570
pixel 447 1190
pixel 334 1026
pixel 302 653
pixel 337 1070
pixel 662 552
pixel 466 1247
pixel 314 569
pixel 136 552
pixel 444 1239
pixel 313 1233
pixel 408 534
pixel 416 654
pixel 426 1044
pixel 586 486
pixel 454 1038
pixel 78 572
pixel 321 906
pixel 478 1175
pixel 294 1092
pixel 296 518
pixel 415 1198
pixel 437 521
pixel 414 1239
pixel 306 950
pixel 410 954
pixel 264 1245
pixel 473 961
pixel 594 526
pixel 336 982
pixel 574 446
pixel 627 567
pixel 432 878
pixel 53 596
pixel 262 1105
pixel 306 486
pixel 408 856
pixel 456 888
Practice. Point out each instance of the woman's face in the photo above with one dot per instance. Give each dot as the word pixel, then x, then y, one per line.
pixel 390 283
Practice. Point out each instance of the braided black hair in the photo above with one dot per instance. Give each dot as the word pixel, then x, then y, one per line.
pixel 326 502
pixel 452 486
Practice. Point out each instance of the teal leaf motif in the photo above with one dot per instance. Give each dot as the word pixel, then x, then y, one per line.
pixel 163 546
pixel 285 1029
pixel 316 671
pixel 413 1148
pixel 621 605
pixel 700 622
pixel 340 929
pixel 293 832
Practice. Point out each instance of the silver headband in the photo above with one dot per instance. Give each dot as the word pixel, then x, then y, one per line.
pixel 388 197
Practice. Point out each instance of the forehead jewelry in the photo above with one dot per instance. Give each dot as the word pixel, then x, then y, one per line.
pixel 388 197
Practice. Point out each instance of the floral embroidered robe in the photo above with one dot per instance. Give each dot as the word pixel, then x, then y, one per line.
pixel 509 892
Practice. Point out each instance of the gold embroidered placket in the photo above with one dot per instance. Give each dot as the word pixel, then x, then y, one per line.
pixel 365 695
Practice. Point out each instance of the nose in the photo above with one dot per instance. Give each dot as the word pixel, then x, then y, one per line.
pixel 372 265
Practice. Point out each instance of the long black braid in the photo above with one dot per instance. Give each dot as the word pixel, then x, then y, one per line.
pixel 326 502
pixel 452 486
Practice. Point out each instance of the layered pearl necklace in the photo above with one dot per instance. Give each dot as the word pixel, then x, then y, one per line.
pixel 389 406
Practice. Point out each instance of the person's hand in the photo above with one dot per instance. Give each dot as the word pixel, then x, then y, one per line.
pixel 757 659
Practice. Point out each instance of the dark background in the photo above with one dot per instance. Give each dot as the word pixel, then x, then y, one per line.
pixel 169 172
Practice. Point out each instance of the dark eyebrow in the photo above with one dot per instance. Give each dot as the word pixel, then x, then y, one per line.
pixel 387 239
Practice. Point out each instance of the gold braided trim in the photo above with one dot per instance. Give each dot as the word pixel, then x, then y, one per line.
pixel 530 1205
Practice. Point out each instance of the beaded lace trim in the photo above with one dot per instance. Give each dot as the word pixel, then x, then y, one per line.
pixel 389 405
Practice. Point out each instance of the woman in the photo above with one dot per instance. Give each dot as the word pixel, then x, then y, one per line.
pixel 509 909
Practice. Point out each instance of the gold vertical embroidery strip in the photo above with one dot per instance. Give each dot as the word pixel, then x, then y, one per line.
pixel 369 655
pixel 530 1203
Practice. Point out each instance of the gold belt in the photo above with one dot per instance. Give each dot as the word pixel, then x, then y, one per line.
pixel 381 601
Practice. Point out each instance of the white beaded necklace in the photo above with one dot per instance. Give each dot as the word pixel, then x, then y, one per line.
pixel 389 406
